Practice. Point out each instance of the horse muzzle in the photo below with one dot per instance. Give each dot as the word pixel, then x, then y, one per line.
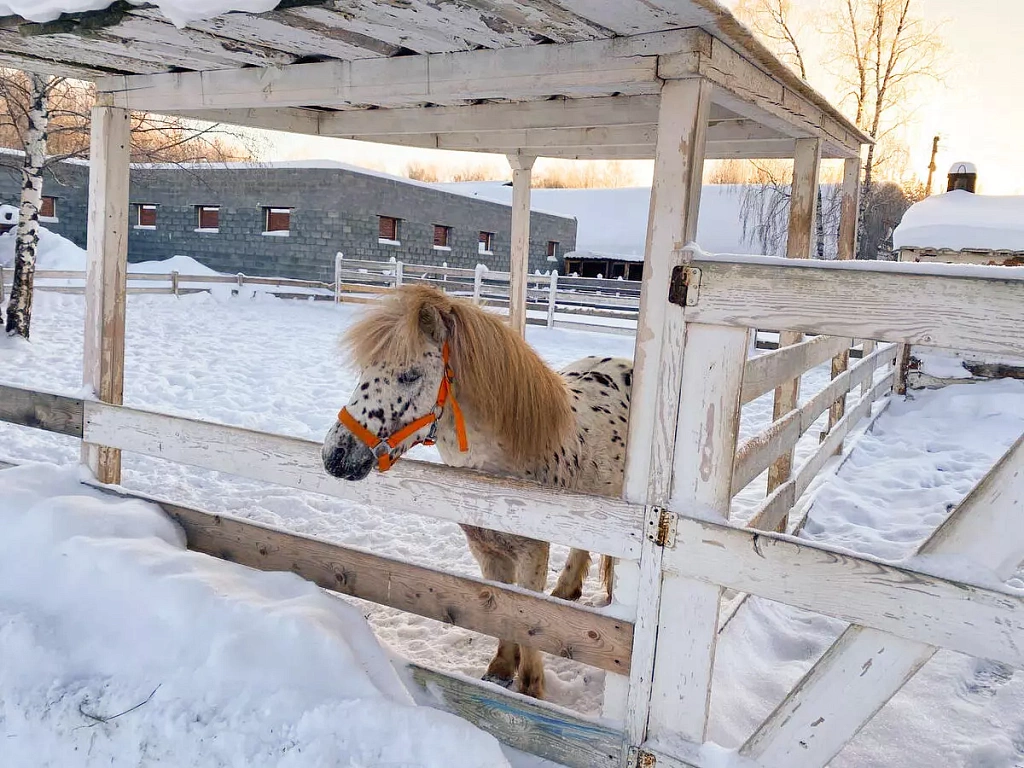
pixel 346 457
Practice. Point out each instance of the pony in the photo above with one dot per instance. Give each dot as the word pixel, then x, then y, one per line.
pixel 439 369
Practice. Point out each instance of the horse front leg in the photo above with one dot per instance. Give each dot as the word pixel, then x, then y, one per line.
pixel 570 580
pixel 532 573
pixel 497 566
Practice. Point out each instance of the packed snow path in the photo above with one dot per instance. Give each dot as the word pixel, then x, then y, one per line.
pixel 275 365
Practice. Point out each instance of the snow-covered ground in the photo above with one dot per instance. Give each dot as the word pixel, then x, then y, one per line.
pixel 273 365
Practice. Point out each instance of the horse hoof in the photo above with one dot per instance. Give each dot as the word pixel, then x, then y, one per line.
pixel 504 682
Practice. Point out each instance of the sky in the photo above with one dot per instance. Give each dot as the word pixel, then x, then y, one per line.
pixel 977 109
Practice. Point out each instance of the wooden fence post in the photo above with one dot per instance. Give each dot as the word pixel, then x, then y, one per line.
pixel 174 282
pixel 106 274
pixel 867 347
pixel 522 167
pixel 1 284
pixel 478 281
pixel 803 202
pixel 399 274
pixel 657 377
pixel 847 250
pixel 552 297
pixel 338 258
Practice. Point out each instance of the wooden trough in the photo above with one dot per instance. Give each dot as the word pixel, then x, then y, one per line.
pixel 673 80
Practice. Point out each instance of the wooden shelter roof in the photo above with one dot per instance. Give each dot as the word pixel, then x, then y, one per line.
pixel 582 76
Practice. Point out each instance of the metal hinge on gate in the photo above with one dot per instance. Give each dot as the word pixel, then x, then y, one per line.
pixel 640 758
pixel 662 529
pixel 685 286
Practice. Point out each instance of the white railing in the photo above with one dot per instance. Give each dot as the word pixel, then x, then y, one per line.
pixel 593 304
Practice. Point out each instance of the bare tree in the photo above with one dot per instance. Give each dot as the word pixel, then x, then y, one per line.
pixel 48 119
pixel 879 53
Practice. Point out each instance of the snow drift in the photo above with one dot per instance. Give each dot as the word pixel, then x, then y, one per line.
pixel 120 647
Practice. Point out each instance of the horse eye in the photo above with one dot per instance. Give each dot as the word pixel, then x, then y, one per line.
pixel 409 377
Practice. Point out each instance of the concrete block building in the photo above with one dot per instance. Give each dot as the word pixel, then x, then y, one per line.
pixel 289 219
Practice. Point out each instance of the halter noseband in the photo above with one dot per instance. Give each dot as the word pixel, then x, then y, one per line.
pixel 385 448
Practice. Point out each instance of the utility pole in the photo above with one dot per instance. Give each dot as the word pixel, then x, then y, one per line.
pixel 931 165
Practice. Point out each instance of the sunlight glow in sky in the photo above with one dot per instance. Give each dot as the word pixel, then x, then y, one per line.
pixel 977 110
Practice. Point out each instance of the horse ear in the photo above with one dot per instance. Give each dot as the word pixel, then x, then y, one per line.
pixel 432 323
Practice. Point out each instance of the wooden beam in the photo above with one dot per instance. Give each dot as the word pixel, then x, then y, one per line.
pixel 896 599
pixel 530 725
pixel 757 94
pixel 105 282
pixel 522 167
pixel 292 120
pixel 657 370
pixel 41 410
pixel 499 610
pixel 942 305
pixel 865 668
pixel 803 204
pixel 592 68
pixel 430 489
pixel 849 211
pixel 476 118
pixel 765 372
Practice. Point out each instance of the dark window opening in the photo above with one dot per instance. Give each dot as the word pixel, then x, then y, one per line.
pixel 486 242
pixel 277 219
pixel 48 207
pixel 145 215
pixel 552 249
pixel 388 228
pixel 208 217
pixel 441 235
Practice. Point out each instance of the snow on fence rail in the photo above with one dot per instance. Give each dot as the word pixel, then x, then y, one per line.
pixel 685 559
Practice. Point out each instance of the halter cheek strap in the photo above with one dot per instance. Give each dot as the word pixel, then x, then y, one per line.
pixel 385 449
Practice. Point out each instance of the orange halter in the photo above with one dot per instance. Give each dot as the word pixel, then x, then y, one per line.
pixel 384 448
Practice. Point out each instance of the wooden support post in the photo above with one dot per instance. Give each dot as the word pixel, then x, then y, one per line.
pixel 339 257
pixel 552 297
pixel 106 274
pixel 803 202
pixel 522 167
pixel 657 379
pixel 867 347
pixel 478 282
pixel 174 282
pixel 847 251
pixel 399 274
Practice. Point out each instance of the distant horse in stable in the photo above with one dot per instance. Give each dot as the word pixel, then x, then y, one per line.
pixel 439 369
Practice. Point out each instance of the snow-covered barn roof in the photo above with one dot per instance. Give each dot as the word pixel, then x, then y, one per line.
pixel 961 220
pixel 583 76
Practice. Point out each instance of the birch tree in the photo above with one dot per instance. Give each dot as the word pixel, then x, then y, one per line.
pixel 36 117
pixel 48 118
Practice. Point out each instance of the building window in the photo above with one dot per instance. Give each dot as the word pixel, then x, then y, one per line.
pixel 388 230
pixel 277 221
pixel 208 218
pixel 145 216
pixel 441 237
pixel 48 208
pixel 486 243
pixel 553 250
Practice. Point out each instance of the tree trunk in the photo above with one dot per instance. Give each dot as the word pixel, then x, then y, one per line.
pixel 19 309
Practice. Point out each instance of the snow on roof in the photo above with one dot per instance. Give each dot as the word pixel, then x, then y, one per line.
pixel 577 254
pixel 614 221
pixel 962 167
pixel 180 12
pixel 961 220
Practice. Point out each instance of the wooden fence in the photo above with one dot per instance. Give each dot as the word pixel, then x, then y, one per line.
pixel 681 543
pixel 579 303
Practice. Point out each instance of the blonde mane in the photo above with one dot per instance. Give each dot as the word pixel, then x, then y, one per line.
pixel 499 379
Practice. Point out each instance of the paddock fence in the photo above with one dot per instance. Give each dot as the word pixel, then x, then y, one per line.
pixel 659 644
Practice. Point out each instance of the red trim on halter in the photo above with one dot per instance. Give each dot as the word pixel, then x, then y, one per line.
pixel 384 448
